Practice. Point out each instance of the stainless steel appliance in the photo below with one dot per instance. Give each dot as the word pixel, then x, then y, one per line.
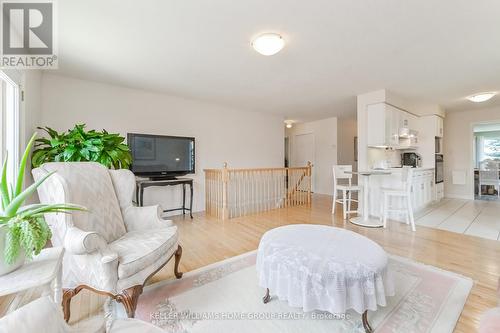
pixel 411 159
pixel 439 171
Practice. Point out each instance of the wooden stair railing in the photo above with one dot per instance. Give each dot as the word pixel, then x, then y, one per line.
pixel 298 187
pixel 231 193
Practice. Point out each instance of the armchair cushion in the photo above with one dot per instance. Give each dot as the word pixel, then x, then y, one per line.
pixel 135 217
pixel 142 248
pixel 41 315
pixel 140 218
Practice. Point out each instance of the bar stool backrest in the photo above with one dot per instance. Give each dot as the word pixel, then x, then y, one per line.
pixel 340 172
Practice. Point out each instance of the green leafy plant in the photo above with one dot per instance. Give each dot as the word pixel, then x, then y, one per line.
pixel 25 225
pixel 79 145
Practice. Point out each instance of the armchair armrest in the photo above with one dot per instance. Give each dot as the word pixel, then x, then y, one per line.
pixel 77 241
pixel 140 218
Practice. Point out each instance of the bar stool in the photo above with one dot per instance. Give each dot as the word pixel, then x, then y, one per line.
pixel 405 193
pixel 342 172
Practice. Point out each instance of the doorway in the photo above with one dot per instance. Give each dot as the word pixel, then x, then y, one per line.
pixel 287 152
pixel 486 157
pixel 303 152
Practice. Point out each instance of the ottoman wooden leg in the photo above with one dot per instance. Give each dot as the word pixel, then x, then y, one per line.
pixel 366 324
pixel 267 297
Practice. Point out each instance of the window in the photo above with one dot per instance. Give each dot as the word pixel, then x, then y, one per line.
pixel 9 120
pixel 491 148
pixel 487 147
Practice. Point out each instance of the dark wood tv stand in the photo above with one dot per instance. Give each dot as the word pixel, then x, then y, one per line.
pixel 156 178
pixel 141 184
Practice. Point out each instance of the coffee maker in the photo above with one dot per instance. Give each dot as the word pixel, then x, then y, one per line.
pixel 413 160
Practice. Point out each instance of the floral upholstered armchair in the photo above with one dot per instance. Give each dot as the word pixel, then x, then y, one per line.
pixel 113 248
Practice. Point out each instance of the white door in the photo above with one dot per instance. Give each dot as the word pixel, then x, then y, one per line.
pixel 303 152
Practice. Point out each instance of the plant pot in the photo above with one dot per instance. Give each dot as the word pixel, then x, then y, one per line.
pixel 6 268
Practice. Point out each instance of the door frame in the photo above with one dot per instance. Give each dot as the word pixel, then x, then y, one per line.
pixel 473 152
pixel 292 152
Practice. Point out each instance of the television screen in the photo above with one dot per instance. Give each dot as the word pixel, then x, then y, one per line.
pixel 158 155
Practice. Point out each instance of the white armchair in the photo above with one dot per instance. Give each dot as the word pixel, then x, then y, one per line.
pixel 114 247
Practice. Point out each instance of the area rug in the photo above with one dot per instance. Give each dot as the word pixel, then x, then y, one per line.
pixel 225 297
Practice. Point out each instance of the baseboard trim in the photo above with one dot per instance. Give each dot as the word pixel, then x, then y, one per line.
pixel 458 196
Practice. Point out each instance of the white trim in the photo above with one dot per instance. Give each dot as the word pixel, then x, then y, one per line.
pixel 458 196
pixel 472 158
pixel 11 80
pixel 12 76
pixel 313 150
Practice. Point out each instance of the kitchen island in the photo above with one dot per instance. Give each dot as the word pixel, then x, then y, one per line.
pixel 365 220
pixel 423 190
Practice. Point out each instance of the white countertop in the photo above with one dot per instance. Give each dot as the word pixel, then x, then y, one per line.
pixel 397 169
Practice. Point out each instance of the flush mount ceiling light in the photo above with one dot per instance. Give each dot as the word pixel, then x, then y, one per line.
pixel 482 97
pixel 289 123
pixel 268 44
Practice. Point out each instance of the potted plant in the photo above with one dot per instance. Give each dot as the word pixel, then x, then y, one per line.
pixel 23 230
pixel 80 145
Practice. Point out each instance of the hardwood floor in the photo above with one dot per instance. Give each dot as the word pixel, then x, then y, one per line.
pixel 206 240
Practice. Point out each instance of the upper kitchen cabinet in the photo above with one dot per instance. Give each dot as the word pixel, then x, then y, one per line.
pixel 383 125
pixel 439 127
pixel 407 120
pixel 435 124
pixel 386 125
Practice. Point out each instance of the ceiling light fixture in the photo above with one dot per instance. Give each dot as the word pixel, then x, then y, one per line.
pixel 482 97
pixel 268 44
pixel 289 123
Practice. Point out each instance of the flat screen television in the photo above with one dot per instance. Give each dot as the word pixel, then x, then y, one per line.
pixel 160 156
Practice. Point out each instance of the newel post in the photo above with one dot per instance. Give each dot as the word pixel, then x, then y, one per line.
pixel 225 178
pixel 309 187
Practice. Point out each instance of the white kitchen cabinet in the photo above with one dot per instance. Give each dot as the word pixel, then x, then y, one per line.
pixel 385 123
pixel 439 127
pixel 435 123
pixel 439 191
pixel 418 192
pixel 407 120
pixel 383 126
pixel 423 191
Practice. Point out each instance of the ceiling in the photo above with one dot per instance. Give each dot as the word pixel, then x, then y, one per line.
pixel 435 52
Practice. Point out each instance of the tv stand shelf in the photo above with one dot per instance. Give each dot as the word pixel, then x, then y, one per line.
pixel 141 184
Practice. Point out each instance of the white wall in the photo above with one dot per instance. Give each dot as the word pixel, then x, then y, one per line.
pixel 243 139
pixel 458 143
pixel 347 130
pixel 30 116
pixel 31 107
pixel 325 150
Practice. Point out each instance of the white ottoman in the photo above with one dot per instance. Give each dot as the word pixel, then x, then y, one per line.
pixel 324 268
